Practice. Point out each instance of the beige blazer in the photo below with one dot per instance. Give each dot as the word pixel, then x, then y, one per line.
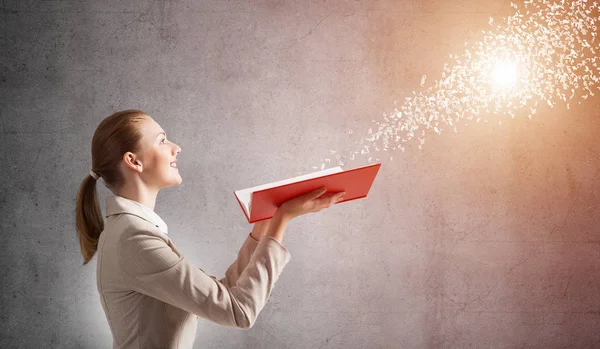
pixel 152 296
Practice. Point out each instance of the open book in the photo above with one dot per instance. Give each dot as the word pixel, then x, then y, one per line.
pixel 261 202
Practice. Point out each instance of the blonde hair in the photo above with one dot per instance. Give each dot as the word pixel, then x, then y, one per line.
pixel 117 134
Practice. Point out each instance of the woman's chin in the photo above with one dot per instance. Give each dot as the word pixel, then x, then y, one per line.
pixel 179 179
pixel 176 180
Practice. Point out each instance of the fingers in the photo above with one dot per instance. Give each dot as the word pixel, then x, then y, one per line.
pixel 331 200
pixel 320 191
pixel 338 196
pixel 316 193
pixel 321 201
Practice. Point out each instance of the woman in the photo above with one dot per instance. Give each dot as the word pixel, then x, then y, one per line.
pixel 151 295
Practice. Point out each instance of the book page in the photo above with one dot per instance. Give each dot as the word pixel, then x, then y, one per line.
pixel 296 179
pixel 244 197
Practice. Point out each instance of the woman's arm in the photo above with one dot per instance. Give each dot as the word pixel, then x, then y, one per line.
pixel 154 268
pixel 245 253
pixel 260 229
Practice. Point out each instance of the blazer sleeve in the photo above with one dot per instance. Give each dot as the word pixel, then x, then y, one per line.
pixel 155 269
pixel 233 272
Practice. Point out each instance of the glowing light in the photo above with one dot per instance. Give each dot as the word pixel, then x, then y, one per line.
pixel 553 45
pixel 505 73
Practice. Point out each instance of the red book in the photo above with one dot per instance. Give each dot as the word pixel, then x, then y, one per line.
pixel 261 202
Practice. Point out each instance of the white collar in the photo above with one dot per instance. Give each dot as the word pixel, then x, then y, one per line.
pixel 157 220
pixel 116 204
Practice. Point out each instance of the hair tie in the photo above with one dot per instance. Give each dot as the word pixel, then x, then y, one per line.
pixel 93 174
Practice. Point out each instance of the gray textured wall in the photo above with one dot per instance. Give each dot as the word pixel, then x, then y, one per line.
pixel 487 238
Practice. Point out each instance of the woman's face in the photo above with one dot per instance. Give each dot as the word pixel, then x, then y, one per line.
pixel 158 154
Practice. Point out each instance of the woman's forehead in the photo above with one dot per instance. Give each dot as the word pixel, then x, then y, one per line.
pixel 151 128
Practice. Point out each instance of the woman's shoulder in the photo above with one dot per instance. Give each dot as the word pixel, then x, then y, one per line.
pixel 126 226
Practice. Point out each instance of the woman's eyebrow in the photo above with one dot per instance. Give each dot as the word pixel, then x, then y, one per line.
pixel 160 134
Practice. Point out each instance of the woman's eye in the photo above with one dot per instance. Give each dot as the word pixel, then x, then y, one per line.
pixel 164 139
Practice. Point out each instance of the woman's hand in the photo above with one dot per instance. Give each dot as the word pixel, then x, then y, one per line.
pixel 260 229
pixel 313 201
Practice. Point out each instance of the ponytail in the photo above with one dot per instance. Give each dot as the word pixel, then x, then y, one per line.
pixel 116 135
pixel 88 218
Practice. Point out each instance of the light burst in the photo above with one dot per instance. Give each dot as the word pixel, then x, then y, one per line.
pixel 543 54
pixel 505 73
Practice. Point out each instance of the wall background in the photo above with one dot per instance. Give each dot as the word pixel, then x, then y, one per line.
pixel 486 238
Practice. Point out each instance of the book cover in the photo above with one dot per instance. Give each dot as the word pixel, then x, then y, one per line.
pixel 261 202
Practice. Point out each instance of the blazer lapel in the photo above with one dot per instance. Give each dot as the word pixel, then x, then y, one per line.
pixel 118 205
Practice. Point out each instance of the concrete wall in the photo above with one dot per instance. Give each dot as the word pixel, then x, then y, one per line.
pixel 485 238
